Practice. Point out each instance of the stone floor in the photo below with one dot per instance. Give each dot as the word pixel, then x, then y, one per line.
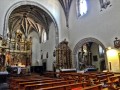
pixel 4 86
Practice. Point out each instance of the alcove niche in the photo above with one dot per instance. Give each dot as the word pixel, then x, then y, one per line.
pixel 90 53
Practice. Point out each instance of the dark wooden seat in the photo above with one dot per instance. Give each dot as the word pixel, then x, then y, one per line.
pixel 21 85
pixel 63 87
pixel 94 87
pixel 44 85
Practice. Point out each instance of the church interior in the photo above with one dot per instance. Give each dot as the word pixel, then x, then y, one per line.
pixel 59 45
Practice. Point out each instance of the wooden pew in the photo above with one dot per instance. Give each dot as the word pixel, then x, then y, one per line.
pixel 114 83
pixel 76 77
pixel 94 87
pixel 22 84
pixel 64 87
pixel 53 83
pixel 14 84
pixel 44 85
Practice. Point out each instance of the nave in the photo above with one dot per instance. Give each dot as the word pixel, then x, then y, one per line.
pixel 65 81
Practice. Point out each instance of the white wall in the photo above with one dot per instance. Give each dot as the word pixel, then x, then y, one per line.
pixel 35 49
pixel 49 47
pixel 102 25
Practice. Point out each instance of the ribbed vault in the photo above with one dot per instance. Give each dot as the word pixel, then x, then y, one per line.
pixel 29 18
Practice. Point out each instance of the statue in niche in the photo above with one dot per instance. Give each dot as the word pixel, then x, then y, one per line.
pixel 8 58
pixel 82 58
pixel 4 42
pixel 28 45
pixel 2 60
pixel 19 36
pixel 18 46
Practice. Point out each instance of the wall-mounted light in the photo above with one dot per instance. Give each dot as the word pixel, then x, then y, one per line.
pixel 117 43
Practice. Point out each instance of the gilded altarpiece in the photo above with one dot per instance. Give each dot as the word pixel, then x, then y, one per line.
pixel 19 52
pixel 63 55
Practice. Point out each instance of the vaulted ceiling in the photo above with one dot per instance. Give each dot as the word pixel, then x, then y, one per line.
pixel 30 18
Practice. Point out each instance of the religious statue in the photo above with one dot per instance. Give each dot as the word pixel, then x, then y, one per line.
pixel 8 58
pixel 2 60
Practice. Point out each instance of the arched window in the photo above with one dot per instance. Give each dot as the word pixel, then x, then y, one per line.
pixel 81 7
pixel 44 36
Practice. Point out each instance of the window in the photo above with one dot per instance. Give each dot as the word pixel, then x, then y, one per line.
pixel 44 36
pixel 101 51
pixel 81 7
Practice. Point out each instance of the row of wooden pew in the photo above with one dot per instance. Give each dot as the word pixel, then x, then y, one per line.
pixel 107 79
pixel 73 86
pixel 66 81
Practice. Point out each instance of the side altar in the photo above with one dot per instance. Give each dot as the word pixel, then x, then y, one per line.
pixel 63 56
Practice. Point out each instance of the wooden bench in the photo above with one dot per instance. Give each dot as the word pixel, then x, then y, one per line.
pixel 94 87
pixel 22 84
pixel 114 83
pixel 14 82
pixel 53 83
pixel 64 87
pixel 44 85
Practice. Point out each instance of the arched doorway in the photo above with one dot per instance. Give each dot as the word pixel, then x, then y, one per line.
pixel 88 54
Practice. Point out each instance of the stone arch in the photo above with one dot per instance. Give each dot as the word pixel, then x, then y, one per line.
pixel 15 5
pixel 80 43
